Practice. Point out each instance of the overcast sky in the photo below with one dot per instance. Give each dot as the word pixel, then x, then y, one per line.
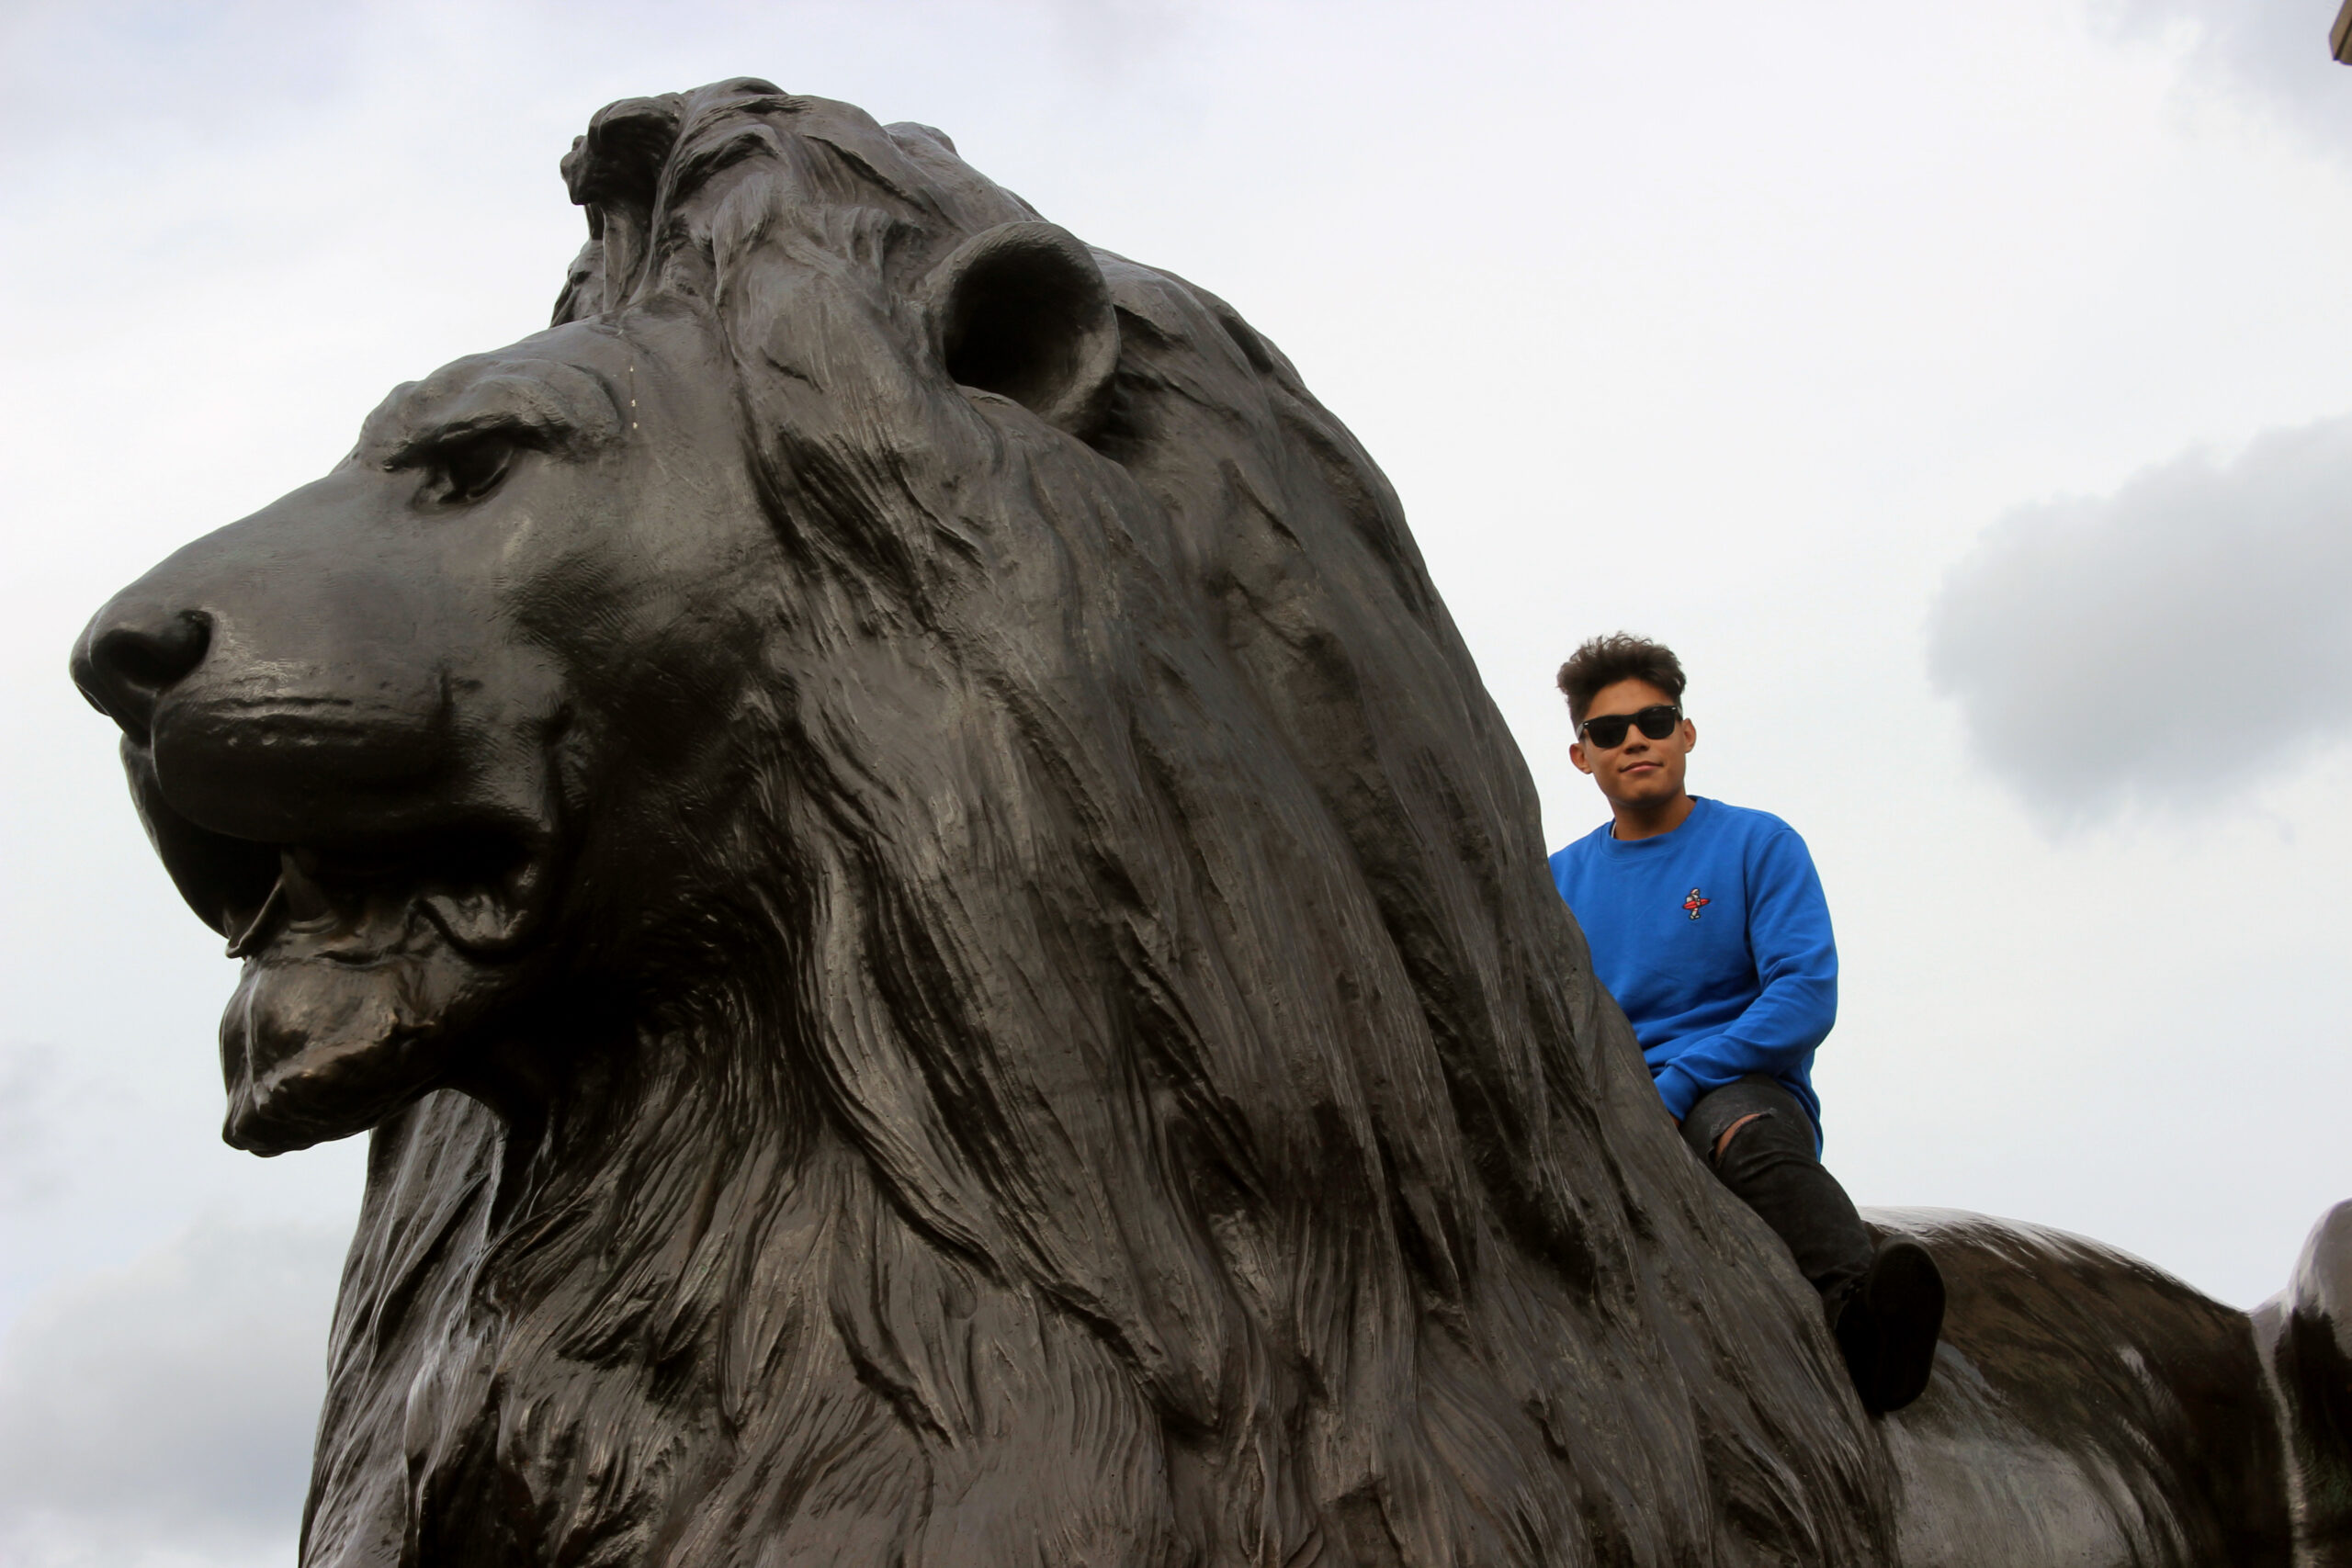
pixel 1966 392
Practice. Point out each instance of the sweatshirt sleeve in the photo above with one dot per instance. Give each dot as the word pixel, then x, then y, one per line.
pixel 1796 960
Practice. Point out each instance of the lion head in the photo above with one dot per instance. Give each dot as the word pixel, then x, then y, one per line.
pixel 947 958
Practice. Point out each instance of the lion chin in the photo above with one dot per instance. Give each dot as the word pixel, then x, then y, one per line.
pixel 348 1012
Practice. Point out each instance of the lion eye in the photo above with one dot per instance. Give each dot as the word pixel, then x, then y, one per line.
pixel 469 470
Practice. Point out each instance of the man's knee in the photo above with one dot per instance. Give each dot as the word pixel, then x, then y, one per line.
pixel 1728 1120
pixel 1733 1131
pixel 1762 1143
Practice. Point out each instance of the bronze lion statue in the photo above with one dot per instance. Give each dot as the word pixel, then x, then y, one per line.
pixel 947 964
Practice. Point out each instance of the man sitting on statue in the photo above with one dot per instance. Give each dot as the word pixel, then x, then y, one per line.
pixel 1708 926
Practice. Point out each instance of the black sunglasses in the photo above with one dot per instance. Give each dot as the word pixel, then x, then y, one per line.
pixel 1608 733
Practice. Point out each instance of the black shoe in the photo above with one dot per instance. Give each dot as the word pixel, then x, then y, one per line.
pixel 1888 1324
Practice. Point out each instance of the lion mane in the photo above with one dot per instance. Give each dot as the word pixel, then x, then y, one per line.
pixel 1125 1091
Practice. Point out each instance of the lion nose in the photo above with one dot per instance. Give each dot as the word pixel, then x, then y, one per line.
pixel 128 657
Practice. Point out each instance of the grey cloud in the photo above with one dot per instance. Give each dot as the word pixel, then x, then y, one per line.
pixel 29 1088
pixel 252 57
pixel 43 1095
pixel 2186 639
pixel 165 1412
pixel 2272 52
pixel 1113 34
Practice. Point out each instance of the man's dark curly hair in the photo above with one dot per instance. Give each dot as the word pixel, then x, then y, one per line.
pixel 1602 661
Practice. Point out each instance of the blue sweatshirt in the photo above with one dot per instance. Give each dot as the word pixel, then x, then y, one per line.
pixel 1716 941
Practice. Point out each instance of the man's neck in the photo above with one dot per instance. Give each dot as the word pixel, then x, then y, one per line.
pixel 1648 819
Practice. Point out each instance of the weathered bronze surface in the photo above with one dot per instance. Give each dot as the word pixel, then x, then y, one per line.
pixel 947 964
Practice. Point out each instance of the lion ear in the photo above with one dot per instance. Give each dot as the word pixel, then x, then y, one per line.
pixel 1021 309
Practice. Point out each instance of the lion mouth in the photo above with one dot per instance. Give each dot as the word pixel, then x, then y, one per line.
pixel 366 968
pixel 482 884
pixel 369 961
pixel 478 887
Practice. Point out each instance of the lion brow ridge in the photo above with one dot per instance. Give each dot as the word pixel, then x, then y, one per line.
pixel 562 406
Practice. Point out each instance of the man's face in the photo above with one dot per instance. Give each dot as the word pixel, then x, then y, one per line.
pixel 1641 771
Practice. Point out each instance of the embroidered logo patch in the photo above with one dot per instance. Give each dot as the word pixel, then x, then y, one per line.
pixel 1695 903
